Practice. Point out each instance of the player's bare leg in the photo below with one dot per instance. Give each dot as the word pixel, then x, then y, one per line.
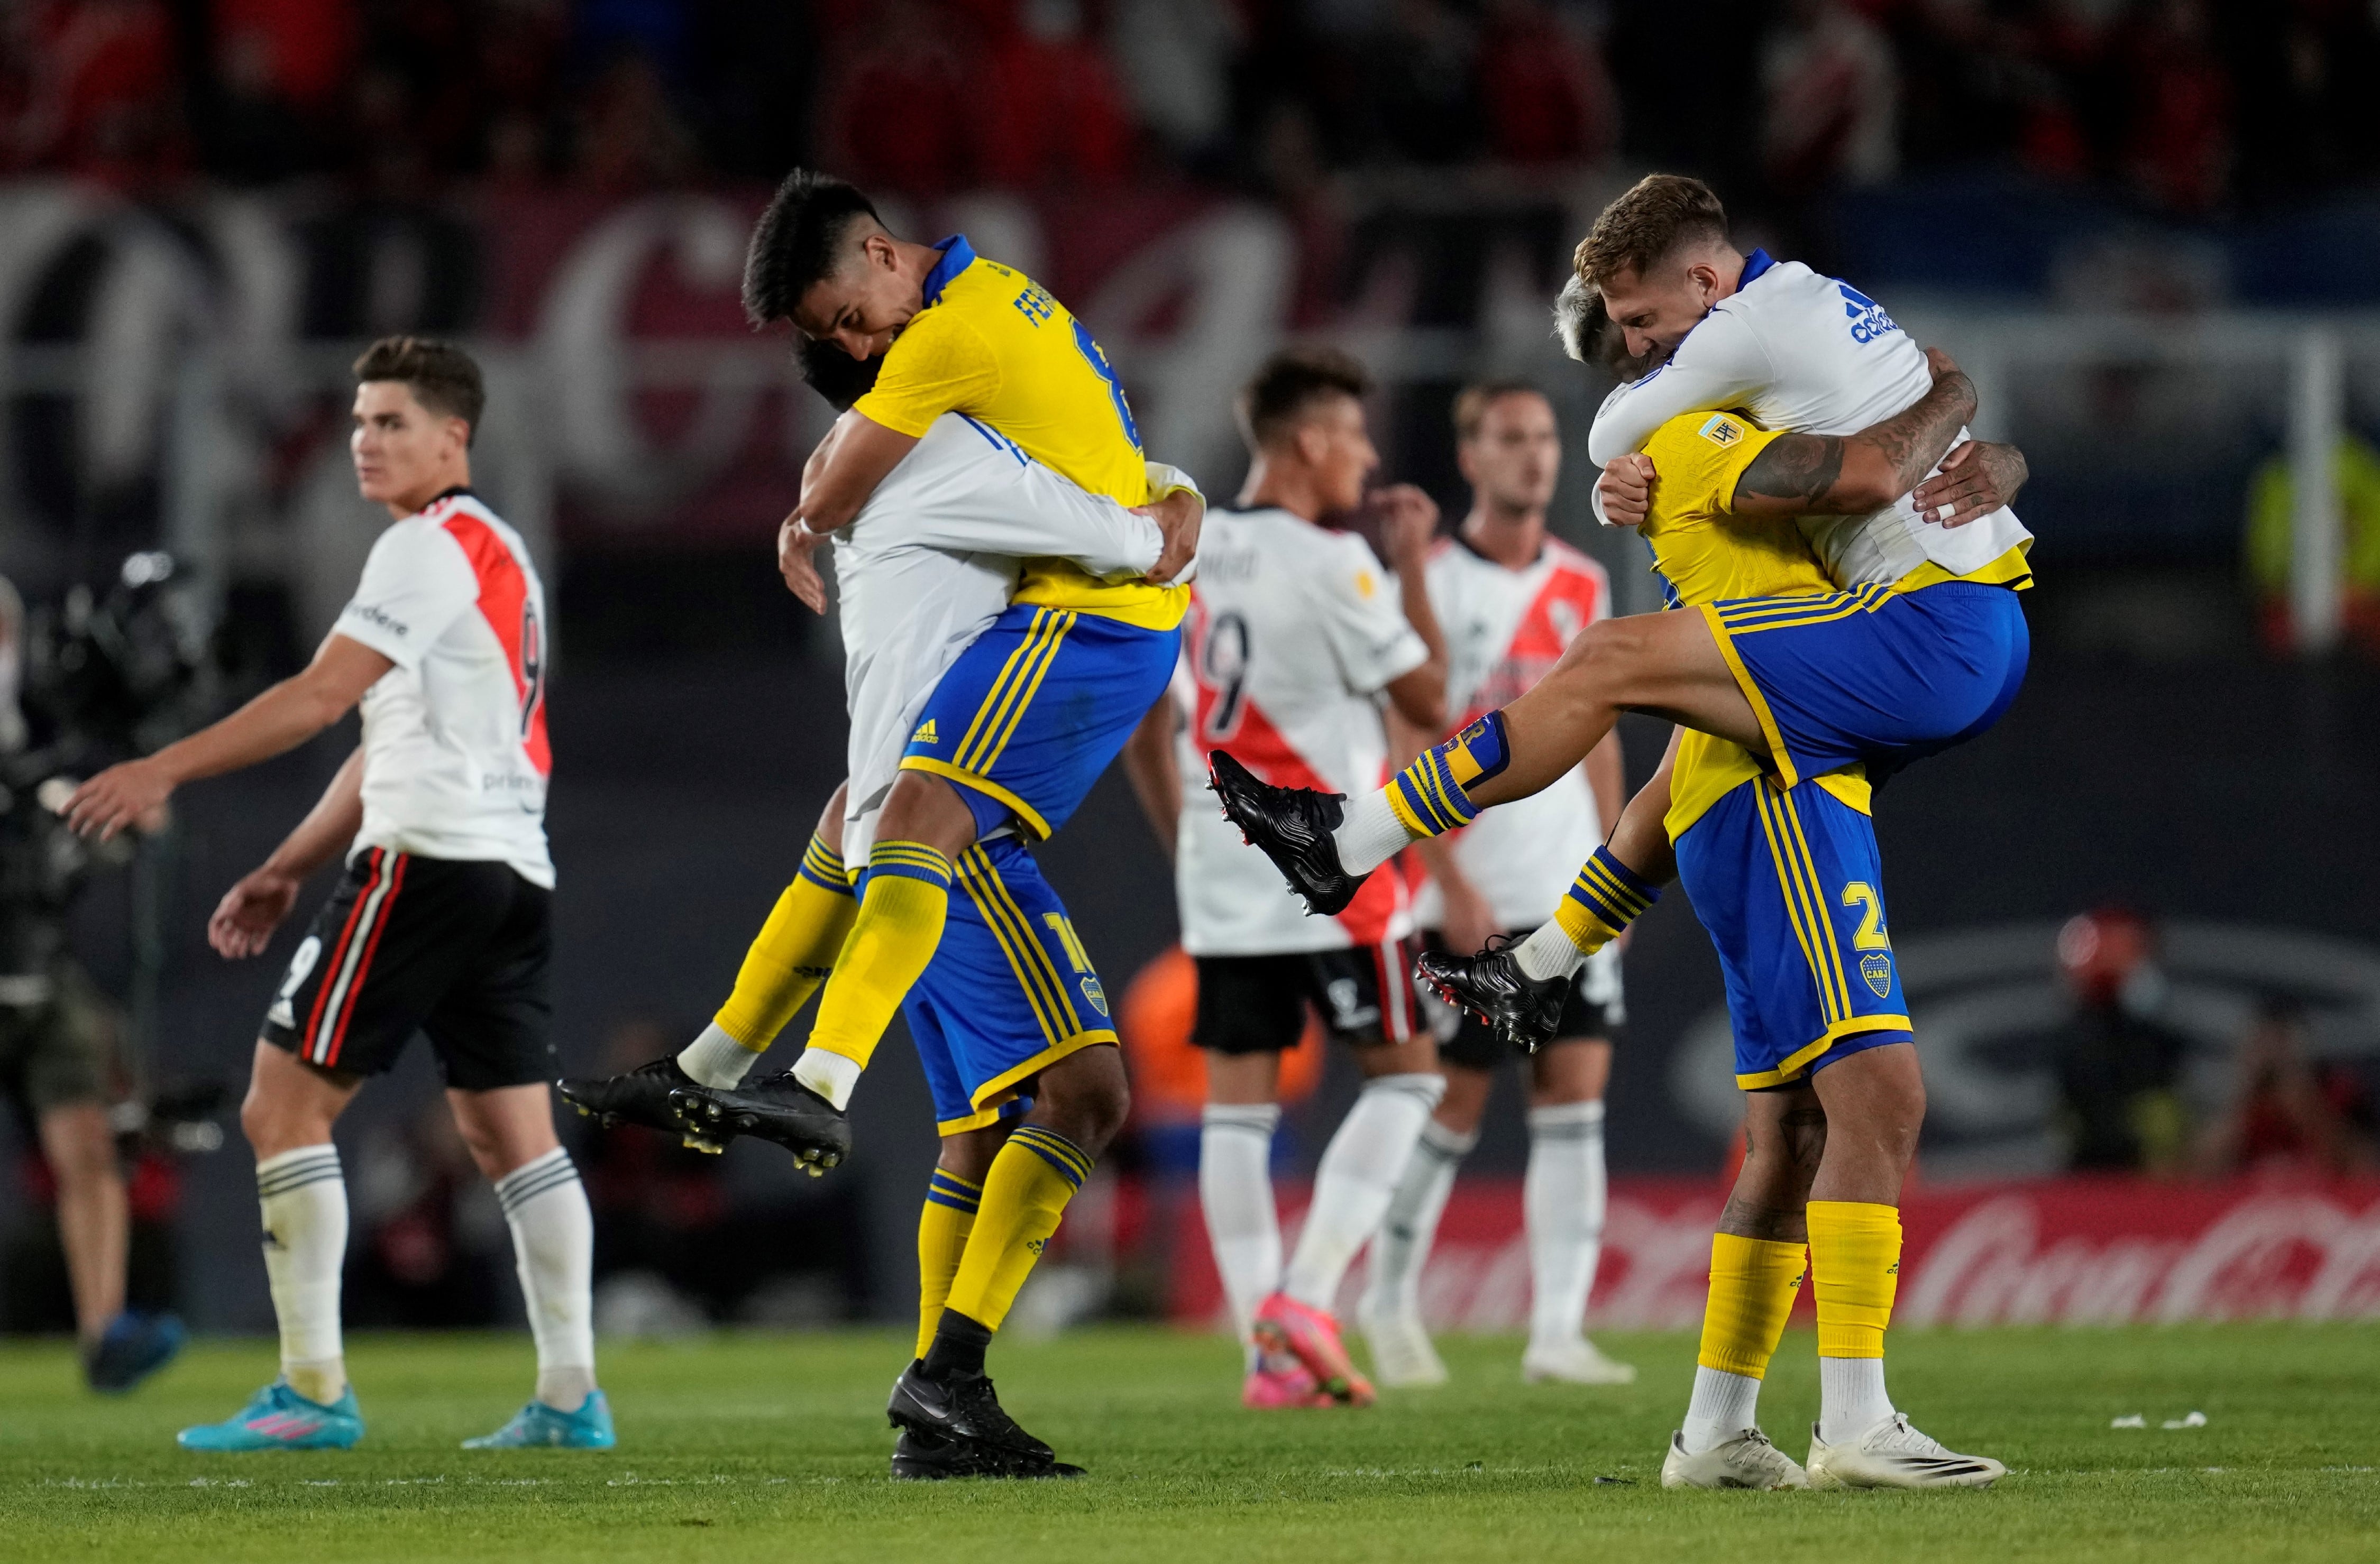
pixel 1873 1103
pixel 1663 665
pixel 1756 1270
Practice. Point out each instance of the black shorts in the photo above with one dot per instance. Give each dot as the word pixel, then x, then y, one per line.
pixel 458 950
pixel 1257 1004
pixel 1464 1039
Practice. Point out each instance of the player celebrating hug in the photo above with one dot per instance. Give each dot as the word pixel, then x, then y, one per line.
pixel 1927 649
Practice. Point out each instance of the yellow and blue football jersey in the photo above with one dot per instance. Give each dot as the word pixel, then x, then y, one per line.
pixel 993 343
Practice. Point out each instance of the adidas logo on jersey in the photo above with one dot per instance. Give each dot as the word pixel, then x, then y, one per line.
pixel 925 733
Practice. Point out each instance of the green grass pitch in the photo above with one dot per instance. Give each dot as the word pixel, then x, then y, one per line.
pixel 774 1446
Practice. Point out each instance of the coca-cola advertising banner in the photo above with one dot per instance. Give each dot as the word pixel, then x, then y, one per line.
pixel 2070 1250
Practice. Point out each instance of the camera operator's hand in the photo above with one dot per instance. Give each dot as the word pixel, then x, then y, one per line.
pixel 132 794
pixel 250 911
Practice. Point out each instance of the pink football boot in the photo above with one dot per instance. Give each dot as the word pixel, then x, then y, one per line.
pixel 1283 1327
pixel 1268 1388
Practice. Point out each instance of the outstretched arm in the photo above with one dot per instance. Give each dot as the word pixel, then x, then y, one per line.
pixel 280 719
pixel 1853 474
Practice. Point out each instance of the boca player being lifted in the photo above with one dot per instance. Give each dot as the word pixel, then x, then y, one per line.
pixel 1294 638
pixel 1015 733
pixel 441 924
pixel 1510 599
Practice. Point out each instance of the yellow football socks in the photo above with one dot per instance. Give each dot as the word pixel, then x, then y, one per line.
pixel 1429 796
pixel 943 1229
pixel 794 952
pixel 1752 1282
pixel 1855 1271
pixel 1606 898
pixel 900 922
pixel 1025 1194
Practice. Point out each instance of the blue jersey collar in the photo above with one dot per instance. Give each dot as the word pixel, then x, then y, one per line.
pixel 957 256
pixel 1759 260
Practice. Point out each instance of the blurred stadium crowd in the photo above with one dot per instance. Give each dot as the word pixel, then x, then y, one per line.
pixel 2186 107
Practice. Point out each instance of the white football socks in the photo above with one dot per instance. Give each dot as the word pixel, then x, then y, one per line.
pixel 1411 1227
pixel 1235 1194
pixel 1724 1405
pixel 1548 952
pixel 304 1200
pixel 1370 833
pixel 1563 1199
pixel 1358 1173
pixel 716 1059
pixel 1850 1398
pixel 832 1075
pixel 554 1244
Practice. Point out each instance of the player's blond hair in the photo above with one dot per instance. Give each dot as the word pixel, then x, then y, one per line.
pixel 1646 225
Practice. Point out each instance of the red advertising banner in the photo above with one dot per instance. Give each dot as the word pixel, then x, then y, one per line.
pixel 2072 1251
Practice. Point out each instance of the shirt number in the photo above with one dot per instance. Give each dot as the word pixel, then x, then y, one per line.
pixel 1106 371
pixel 532 667
pixel 1872 935
pixel 1223 668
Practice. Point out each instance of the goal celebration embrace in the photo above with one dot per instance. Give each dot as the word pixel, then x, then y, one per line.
pixel 1151 780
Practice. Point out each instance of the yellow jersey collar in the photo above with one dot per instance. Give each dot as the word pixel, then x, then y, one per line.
pixel 957 256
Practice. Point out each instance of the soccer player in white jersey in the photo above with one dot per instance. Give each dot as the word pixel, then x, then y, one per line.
pixel 1295 637
pixel 1510 597
pixel 441 924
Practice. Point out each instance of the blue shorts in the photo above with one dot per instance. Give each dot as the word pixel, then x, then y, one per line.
pixel 1874 676
pixel 1027 718
pixel 1009 990
pixel 1790 886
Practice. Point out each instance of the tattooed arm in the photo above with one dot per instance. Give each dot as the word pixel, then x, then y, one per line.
pixel 1853 474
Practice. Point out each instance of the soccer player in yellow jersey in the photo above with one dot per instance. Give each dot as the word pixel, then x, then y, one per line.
pixel 1787 878
pixel 1008 744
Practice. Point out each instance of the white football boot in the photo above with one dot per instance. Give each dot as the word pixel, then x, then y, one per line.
pixel 1894 1455
pixel 1576 1362
pixel 1402 1355
pixel 1748 1460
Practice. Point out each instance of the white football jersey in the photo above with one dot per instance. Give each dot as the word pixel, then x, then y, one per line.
pixel 1795 350
pixel 1294 631
pixel 932 559
pixel 455 759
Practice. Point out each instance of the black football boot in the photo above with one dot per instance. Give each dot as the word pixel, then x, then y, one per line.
pixel 1521 1010
pixel 777 1107
pixel 1293 825
pixel 640 1098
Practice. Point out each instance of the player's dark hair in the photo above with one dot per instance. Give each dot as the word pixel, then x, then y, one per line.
pixel 837 375
pixel 799 242
pixel 1647 225
pixel 442 377
pixel 1471 403
pixel 1289 385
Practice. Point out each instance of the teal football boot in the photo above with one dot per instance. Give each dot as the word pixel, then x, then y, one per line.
pixel 278 1418
pixel 538 1426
